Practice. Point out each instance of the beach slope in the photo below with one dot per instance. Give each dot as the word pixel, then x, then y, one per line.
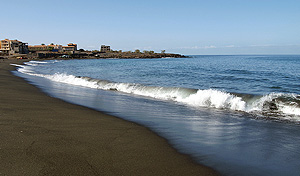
pixel 41 135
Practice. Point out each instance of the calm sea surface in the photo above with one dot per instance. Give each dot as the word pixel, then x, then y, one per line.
pixel 237 114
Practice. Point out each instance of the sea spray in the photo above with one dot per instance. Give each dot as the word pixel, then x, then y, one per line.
pixel 216 99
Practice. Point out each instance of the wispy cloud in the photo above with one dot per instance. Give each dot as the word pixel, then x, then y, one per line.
pixel 240 49
pixel 230 46
pixel 235 46
pixel 209 47
pixel 272 45
pixel 260 45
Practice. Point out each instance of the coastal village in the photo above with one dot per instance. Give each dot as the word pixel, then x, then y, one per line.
pixel 15 49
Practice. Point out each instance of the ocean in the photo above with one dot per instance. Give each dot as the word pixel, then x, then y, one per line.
pixel 237 114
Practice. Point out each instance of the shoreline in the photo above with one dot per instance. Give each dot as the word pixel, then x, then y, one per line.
pixel 42 135
pixel 92 55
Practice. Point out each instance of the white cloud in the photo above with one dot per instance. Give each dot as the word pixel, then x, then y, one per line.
pixel 209 47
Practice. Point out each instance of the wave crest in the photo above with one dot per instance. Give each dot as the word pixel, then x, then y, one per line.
pixel 284 106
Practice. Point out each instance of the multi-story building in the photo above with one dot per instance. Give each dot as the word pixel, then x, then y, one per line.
pixel 54 48
pixel 104 48
pixel 13 47
pixel 70 48
pixel 5 46
pixel 33 48
pixel 51 47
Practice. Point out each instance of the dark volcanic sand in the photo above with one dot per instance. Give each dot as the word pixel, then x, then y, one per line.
pixel 41 135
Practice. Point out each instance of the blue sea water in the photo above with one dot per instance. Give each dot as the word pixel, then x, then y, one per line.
pixel 237 114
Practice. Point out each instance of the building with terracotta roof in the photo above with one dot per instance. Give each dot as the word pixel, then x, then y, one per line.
pixel 13 47
pixel 38 48
pixel 57 48
pixel 70 48
pixel 51 47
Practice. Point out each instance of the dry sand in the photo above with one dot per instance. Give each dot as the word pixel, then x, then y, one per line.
pixel 41 135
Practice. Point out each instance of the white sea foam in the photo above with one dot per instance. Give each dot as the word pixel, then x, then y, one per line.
pixel 197 98
pixel 216 99
pixel 70 79
pixel 25 69
pixel 35 63
pixel 293 110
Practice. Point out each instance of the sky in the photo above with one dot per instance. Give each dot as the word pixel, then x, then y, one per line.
pixel 204 27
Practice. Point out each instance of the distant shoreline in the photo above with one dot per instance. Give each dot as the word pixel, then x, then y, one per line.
pixel 92 55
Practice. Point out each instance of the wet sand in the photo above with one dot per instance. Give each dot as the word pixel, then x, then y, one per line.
pixel 41 135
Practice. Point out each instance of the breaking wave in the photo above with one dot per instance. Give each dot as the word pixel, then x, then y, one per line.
pixel 275 105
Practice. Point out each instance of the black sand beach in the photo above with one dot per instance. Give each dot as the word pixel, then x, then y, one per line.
pixel 41 135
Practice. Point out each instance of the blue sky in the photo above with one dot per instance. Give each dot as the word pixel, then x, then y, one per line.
pixel 186 27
